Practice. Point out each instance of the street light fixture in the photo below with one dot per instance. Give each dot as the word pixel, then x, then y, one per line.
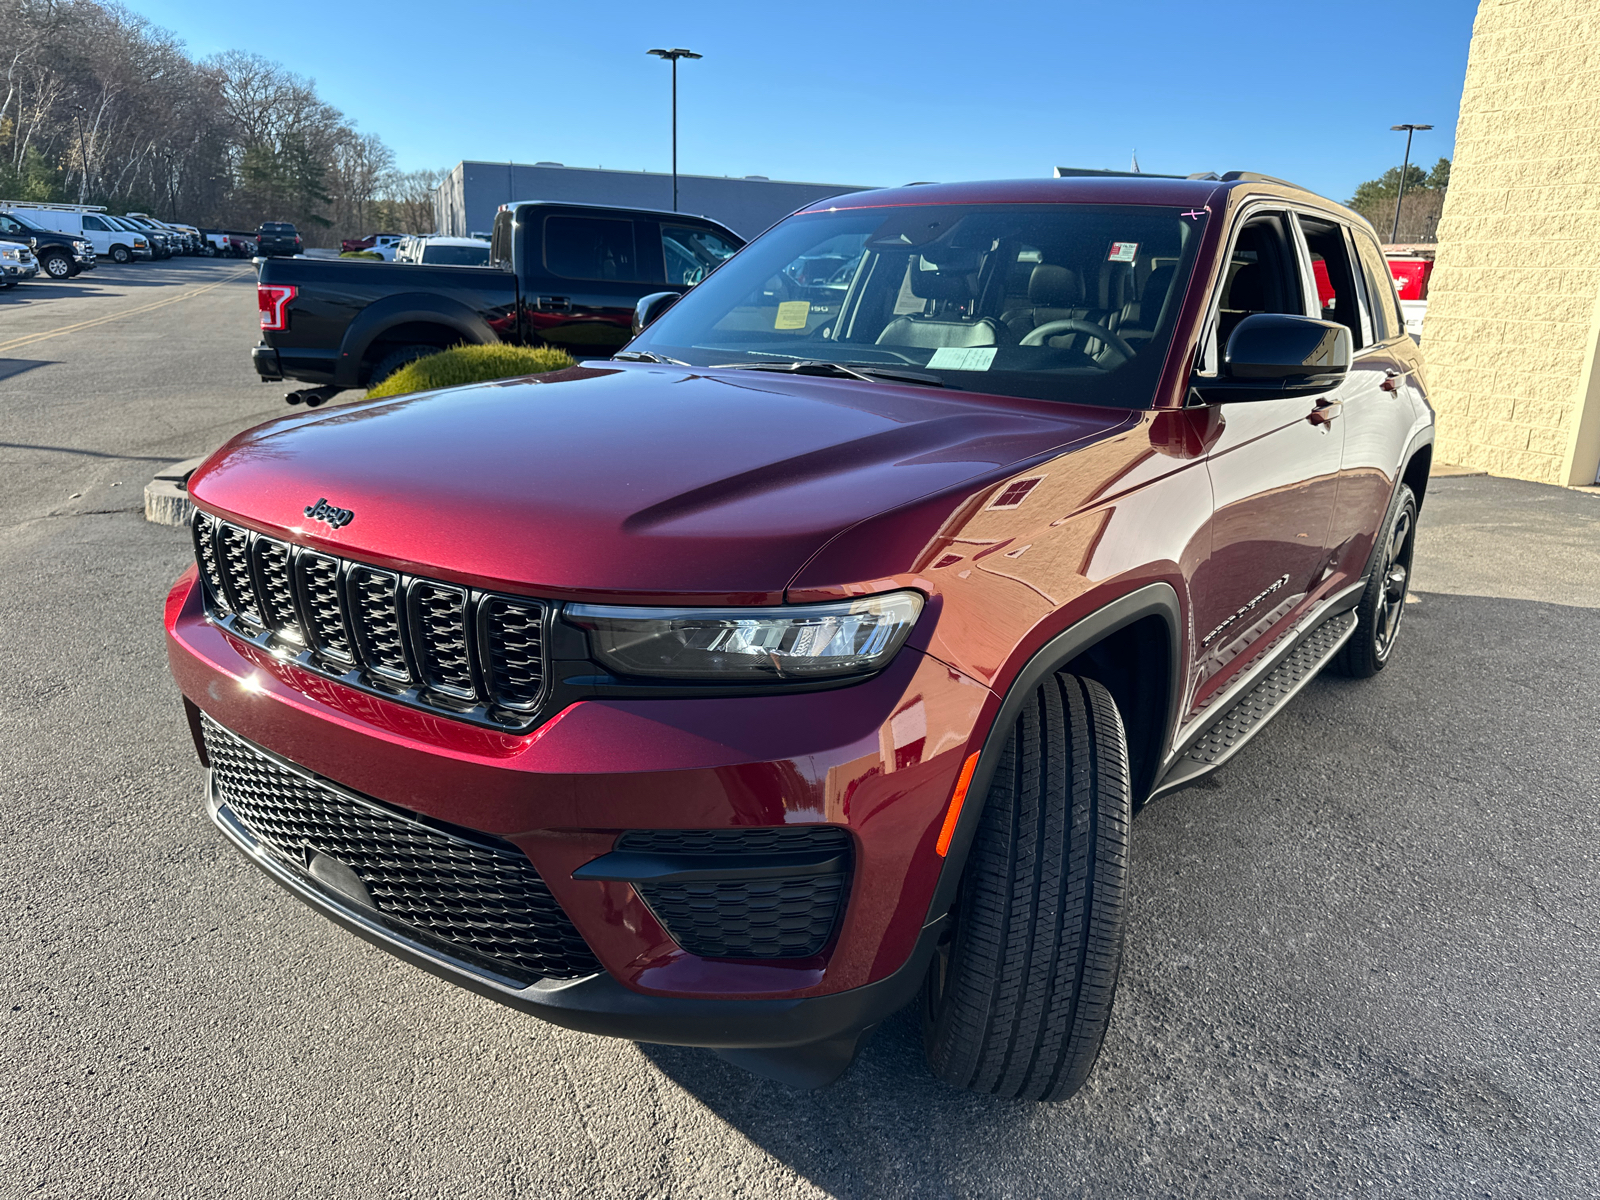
pixel 1394 234
pixel 673 56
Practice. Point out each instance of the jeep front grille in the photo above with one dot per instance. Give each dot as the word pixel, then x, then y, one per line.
pixel 473 655
pixel 475 894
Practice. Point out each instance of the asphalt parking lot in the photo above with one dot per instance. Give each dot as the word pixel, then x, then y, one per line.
pixel 1364 958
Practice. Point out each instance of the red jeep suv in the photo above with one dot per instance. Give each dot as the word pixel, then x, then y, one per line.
pixel 813 653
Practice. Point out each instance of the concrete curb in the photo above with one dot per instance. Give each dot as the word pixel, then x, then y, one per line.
pixel 166 497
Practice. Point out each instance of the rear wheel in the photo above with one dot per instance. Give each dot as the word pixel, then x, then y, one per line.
pixel 1017 1003
pixel 1383 604
pixel 395 359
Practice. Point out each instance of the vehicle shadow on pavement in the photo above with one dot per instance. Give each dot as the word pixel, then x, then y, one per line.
pixel 1333 945
pixel 10 367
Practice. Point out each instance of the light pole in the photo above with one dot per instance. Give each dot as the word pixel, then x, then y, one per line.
pixel 1394 234
pixel 83 153
pixel 673 56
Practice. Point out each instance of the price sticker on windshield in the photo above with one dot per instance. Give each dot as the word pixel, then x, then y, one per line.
pixel 1123 251
pixel 962 358
pixel 792 314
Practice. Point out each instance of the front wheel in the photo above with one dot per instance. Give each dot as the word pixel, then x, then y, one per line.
pixel 120 255
pixel 1017 1003
pixel 1383 604
pixel 57 266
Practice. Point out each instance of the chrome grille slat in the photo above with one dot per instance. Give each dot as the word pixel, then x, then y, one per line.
pixel 277 589
pixel 318 575
pixel 374 611
pixel 233 554
pixel 513 642
pixel 439 623
pixel 438 646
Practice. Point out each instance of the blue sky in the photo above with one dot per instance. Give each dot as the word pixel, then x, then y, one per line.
pixel 868 93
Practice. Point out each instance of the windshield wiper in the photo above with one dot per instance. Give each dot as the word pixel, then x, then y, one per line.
pixel 866 372
pixel 646 356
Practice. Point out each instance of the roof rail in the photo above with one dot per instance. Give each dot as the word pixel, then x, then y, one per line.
pixel 81 208
pixel 1091 172
pixel 1257 177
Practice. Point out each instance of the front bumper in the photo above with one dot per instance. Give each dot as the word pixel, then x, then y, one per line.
pixel 877 759
pixel 598 1003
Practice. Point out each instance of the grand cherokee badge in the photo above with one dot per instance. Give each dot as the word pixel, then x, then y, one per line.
pixel 323 511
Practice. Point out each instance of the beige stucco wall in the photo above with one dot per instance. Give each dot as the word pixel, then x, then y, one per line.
pixel 1513 321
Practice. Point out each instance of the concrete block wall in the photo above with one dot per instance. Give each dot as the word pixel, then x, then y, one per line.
pixel 1513 325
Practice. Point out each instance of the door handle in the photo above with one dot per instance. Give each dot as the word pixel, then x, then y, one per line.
pixel 553 303
pixel 1324 413
pixel 1391 380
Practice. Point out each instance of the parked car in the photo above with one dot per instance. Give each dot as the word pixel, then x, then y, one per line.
pixel 372 242
pixel 80 221
pixel 242 245
pixel 60 255
pixel 177 239
pixel 814 652
pixel 1412 273
pixel 138 243
pixel 17 263
pixel 163 242
pixel 568 276
pixel 444 251
pixel 278 237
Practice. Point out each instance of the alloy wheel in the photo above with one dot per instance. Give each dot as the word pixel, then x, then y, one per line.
pixel 1396 578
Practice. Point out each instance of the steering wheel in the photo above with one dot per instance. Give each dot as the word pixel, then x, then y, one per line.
pixel 1099 333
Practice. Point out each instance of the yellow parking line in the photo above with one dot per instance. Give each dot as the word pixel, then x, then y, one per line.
pixel 117 316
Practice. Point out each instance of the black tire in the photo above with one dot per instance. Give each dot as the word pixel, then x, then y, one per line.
pixel 1017 1002
pixel 57 266
pixel 121 255
pixel 395 359
pixel 1383 604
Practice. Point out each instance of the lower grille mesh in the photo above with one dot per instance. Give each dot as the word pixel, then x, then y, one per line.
pixel 790 916
pixel 472 891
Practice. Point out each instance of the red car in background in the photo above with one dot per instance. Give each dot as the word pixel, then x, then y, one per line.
pixel 814 652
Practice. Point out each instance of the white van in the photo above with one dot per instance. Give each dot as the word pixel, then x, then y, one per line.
pixel 82 221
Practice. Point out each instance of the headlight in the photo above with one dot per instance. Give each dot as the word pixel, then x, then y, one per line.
pixel 80 247
pixel 16 254
pixel 751 645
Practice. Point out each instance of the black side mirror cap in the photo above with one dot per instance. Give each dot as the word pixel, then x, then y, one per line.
pixel 1271 356
pixel 651 307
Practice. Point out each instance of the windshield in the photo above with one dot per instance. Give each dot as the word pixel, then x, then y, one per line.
pixel 12 223
pixel 456 256
pixel 1057 302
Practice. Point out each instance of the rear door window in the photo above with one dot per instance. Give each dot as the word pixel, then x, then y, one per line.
pixel 590 248
pixel 1338 292
pixel 1380 286
pixel 692 252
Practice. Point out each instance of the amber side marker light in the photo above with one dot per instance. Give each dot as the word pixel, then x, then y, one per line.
pixel 956 799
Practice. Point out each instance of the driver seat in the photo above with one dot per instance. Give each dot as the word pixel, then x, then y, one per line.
pixel 1055 294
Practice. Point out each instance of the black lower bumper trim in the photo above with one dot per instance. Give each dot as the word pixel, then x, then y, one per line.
pixel 598 1003
pixel 265 360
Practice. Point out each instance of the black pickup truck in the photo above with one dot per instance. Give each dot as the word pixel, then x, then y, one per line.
pixel 563 275
pixel 278 237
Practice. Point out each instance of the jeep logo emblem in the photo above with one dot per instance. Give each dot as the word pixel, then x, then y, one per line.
pixel 336 517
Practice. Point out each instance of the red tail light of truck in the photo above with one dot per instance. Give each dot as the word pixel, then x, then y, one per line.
pixel 273 300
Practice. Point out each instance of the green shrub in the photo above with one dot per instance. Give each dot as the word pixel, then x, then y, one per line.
pixel 372 254
pixel 470 364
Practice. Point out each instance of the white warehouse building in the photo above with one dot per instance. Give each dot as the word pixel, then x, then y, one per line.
pixel 474 191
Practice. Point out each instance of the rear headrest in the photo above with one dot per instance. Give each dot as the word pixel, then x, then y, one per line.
pixel 1054 287
pixel 1154 295
pixel 1246 293
pixel 939 285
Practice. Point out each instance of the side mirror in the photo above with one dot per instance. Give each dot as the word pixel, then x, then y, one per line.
pixel 651 307
pixel 1271 356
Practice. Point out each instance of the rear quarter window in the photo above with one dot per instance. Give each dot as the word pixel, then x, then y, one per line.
pixel 600 248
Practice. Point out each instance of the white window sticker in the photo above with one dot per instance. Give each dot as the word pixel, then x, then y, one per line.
pixel 1123 251
pixel 962 358
pixel 792 314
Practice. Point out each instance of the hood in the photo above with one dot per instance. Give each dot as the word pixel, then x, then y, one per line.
pixel 631 481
